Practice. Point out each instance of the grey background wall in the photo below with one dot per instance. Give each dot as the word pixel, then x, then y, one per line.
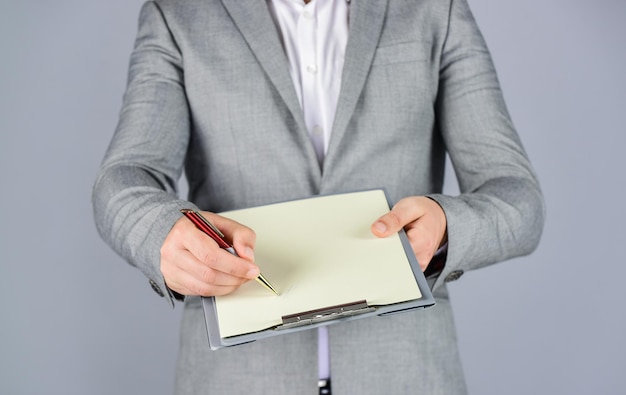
pixel 75 319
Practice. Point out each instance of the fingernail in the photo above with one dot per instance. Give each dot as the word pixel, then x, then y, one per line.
pixel 380 227
pixel 253 273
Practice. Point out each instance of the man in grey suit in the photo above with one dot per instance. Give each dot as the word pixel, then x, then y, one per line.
pixel 214 88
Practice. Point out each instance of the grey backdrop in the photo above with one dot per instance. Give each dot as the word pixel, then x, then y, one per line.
pixel 75 319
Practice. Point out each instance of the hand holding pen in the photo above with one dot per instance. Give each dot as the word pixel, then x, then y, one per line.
pixel 193 264
pixel 213 232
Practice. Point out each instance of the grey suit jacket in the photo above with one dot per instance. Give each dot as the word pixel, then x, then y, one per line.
pixel 209 92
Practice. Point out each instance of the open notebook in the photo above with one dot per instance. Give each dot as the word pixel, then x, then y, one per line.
pixel 320 256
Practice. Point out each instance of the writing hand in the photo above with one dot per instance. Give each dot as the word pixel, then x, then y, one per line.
pixel 193 264
pixel 424 222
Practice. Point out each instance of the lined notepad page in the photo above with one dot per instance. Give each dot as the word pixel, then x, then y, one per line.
pixel 317 252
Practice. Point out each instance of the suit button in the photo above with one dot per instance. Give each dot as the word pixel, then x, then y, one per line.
pixel 453 276
pixel 156 288
pixel 318 131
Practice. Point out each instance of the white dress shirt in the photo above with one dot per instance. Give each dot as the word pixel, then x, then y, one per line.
pixel 314 37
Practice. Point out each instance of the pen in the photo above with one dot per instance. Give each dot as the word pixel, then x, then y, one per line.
pixel 213 232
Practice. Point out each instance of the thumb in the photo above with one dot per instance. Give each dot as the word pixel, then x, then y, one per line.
pixel 402 214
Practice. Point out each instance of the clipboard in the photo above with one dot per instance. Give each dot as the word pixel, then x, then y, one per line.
pixel 321 256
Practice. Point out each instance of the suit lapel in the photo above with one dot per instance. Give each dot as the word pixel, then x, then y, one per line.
pixel 258 29
pixel 366 22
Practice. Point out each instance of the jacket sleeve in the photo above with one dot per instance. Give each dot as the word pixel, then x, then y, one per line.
pixel 134 196
pixel 499 213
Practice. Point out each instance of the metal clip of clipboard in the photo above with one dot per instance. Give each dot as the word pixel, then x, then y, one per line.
pixel 324 314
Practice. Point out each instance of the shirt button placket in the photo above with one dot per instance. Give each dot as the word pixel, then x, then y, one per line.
pixel 307 43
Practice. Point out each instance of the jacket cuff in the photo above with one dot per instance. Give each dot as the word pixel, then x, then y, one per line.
pixel 151 248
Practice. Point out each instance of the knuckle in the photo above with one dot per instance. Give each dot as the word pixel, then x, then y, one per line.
pixel 164 251
pixel 208 276
pixel 167 251
pixel 209 259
